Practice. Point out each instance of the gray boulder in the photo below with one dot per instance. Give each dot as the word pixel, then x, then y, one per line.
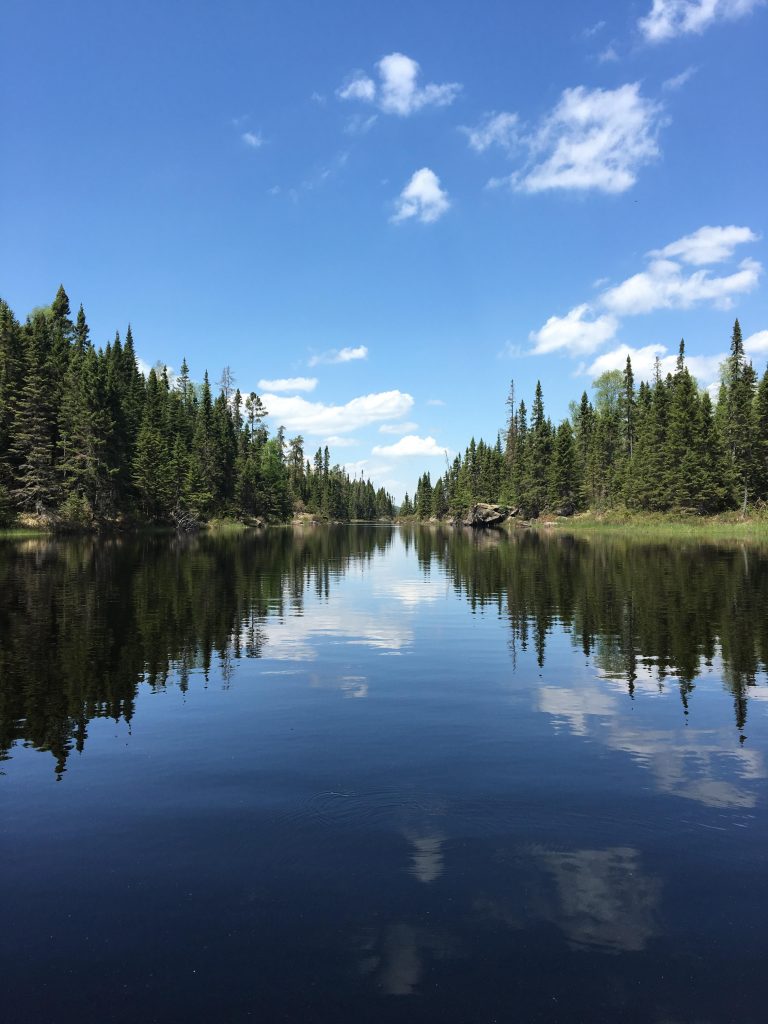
pixel 482 515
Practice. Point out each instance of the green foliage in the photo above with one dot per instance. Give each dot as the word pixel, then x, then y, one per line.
pixel 6 507
pixel 75 511
pixel 661 448
pixel 85 438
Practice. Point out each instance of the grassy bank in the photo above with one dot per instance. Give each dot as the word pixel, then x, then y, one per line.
pixel 726 526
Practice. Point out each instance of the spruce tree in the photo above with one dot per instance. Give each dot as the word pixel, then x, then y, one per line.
pixel 33 428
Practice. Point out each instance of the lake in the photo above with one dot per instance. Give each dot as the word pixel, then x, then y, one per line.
pixel 383 774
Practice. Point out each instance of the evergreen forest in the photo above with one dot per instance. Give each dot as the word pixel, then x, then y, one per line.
pixel 662 447
pixel 87 439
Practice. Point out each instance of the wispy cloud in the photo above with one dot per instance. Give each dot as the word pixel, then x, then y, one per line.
pixel 411 444
pixel 592 30
pixel 592 139
pixel 669 18
pixel 678 81
pixel 289 384
pixel 422 198
pixel 608 56
pixel 340 355
pixel 254 140
pixel 359 87
pixel 500 129
pixel 397 90
pixel 435 401
pixel 360 124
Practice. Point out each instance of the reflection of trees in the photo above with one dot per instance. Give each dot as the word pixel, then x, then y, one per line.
pixel 635 606
pixel 83 622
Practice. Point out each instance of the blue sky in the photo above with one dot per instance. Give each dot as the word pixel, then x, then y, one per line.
pixel 379 214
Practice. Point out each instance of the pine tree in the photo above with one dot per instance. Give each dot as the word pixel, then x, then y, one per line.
pixel 33 432
pixel 563 484
pixel 761 438
pixel 739 390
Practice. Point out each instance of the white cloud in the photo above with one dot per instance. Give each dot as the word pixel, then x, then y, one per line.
pixel 705 369
pixel 340 355
pixel 398 91
pixel 573 332
pixel 669 18
pixel 360 87
pixel 594 139
pixel 289 384
pixel 297 413
pixel 411 444
pixel 678 81
pixel 364 468
pixel 608 55
pixel 341 442
pixel 158 366
pixel 398 428
pixel 495 129
pixel 757 344
pixel 707 245
pixel 664 286
pixel 643 360
pixel 422 198
pixel 253 139
pixel 435 401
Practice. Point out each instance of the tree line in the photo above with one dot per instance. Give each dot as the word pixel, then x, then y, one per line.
pixel 661 447
pixel 87 438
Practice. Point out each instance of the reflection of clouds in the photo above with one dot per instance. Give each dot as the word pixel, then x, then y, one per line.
pixel 354 686
pixel 597 898
pixel 573 708
pixel 426 856
pixel 394 958
pixel 688 763
pixel 415 592
pixel 688 767
pixel 295 637
pixel 397 966
pixel 605 899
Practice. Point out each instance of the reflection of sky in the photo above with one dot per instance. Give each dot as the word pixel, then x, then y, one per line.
pixel 702 763
pixel 390 606
pixel 371 605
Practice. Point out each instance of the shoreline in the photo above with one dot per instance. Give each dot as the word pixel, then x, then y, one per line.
pixel 729 526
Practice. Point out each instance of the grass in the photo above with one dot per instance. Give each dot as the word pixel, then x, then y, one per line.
pixel 729 526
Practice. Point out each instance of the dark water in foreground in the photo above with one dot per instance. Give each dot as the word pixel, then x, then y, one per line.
pixel 370 775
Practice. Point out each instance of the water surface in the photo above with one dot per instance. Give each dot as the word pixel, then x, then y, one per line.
pixel 368 774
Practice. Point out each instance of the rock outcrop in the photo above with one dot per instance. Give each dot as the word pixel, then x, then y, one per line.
pixel 482 515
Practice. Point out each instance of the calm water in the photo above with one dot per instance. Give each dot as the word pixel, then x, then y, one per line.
pixel 362 774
